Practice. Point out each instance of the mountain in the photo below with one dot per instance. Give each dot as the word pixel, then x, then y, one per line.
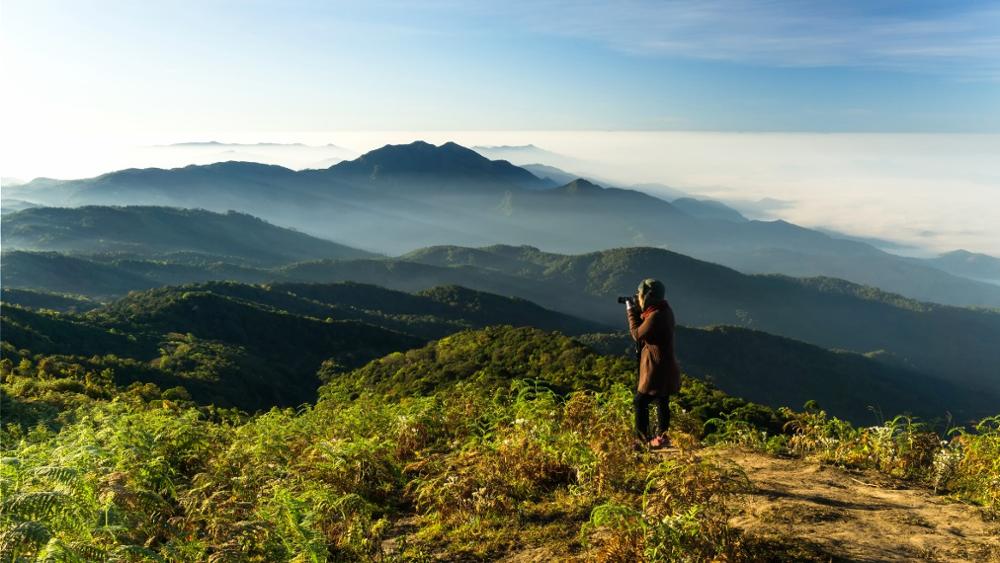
pixel 260 346
pixel 105 277
pixel 402 197
pixel 431 313
pixel 9 205
pixel 217 184
pixel 968 264
pixel 160 231
pixel 59 273
pixel 911 277
pixel 524 433
pixel 825 312
pixel 770 370
pixel 952 343
pixel 708 209
pixel 33 299
pixel 291 155
pixel 523 154
pixel 774 371
pixel 449 166
pixel 264 341
pixel 556 176
pixel 226 351
pixel 278 334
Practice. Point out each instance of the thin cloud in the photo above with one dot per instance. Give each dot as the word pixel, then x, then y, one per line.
pixel 964 43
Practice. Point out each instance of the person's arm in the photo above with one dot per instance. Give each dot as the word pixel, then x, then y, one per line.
pixel 639 328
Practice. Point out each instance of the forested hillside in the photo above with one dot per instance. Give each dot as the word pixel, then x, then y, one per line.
pixel 487 444
pixel 826 312
pixel 265 343
pixel 165 232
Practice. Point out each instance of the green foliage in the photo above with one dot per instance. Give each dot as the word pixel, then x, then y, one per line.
pixel 105 487
pixel 487 358
pixel 682 515
pixel 823 311
pixel 970 465
pixel 225 350
pixel 778 371
pixel 159 231
pixel 140 469
pixel 965 465
pixel 919 336
pixel 487 440
pixel 47 300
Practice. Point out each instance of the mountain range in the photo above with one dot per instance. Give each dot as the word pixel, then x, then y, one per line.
pixel 257 346
pixel 953 344
pixel 969 264
pixel 158 232
pixel 402 197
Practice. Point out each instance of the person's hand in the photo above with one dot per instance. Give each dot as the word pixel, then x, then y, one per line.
pixel 629 304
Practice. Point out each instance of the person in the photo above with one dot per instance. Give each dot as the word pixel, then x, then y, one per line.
pixel 651 323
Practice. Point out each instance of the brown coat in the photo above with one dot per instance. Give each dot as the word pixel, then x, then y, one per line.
pixel 659 372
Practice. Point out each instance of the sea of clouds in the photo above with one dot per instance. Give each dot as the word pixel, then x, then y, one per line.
pixel 921 193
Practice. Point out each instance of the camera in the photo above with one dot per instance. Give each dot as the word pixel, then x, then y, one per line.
pixel 625 299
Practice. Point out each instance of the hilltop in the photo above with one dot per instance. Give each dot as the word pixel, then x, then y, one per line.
pixel 494 444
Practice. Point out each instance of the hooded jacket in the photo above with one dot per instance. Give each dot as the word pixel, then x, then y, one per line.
pixel 653 330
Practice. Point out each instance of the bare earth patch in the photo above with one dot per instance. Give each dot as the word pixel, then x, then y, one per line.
pixel 859 516
pixel 805 511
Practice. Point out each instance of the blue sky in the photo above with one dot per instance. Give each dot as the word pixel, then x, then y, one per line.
pixel 115 66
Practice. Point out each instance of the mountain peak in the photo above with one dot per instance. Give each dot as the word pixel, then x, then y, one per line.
pixel 581 186
pixel 239 165
pixel 447 163
pixel 963 254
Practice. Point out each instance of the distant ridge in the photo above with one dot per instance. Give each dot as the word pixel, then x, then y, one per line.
pixel 398 198
pixel 970 264
pixel 157 231
pixel 265 144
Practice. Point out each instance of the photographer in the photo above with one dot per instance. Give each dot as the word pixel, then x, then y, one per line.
pixel 651 323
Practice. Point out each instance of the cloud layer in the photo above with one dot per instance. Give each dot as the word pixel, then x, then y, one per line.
pixel 958 39
pixel 931 192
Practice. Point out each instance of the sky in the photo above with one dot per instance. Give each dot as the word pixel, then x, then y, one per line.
pixel 80 66
pixel 878 118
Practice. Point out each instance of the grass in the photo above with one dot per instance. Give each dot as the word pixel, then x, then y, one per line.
pixel 475 471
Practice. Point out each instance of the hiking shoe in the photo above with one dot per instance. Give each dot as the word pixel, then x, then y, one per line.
pixel 659 442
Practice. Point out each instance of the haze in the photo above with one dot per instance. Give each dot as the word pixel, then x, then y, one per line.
pixel 927 192
pixel 879 120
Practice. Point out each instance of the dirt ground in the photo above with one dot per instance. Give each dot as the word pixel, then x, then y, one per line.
pixel 813 512
pixel 860 516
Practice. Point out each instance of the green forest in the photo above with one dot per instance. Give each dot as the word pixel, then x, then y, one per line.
pixel 182 385
pixel 326 422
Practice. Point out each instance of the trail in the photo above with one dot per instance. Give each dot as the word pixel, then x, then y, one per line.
pixel 818 513
pixel 859 516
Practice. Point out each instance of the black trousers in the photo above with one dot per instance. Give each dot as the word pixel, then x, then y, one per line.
pixel 641 403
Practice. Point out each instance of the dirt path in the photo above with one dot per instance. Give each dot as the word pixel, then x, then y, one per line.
pixel 823 513
pixel 842 515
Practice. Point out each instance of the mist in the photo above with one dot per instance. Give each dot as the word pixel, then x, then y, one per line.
pixel 919 193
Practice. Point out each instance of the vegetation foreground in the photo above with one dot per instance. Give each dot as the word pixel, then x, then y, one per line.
pixel 481 445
